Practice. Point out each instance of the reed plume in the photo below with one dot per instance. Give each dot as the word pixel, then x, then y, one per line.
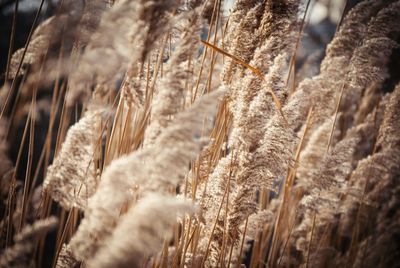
pixel 148 223
pixel 376 174
pixel 241 37
pixel 171 94
pixel 255 173
pixel 65 258
pixel 323 195
pixel 72 178
pixel 125 35
pixel 73 20
pixel 370 59
pixel 19 255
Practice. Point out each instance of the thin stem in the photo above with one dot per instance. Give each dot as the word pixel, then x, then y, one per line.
pixel 11 44
pixel 14 83
pixel 311 238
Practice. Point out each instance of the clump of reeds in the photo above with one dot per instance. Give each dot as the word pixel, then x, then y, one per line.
pixel 168 147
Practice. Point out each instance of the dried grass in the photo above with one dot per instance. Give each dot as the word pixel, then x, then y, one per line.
pixel 164 148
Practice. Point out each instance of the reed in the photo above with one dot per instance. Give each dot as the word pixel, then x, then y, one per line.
pixel 176 134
